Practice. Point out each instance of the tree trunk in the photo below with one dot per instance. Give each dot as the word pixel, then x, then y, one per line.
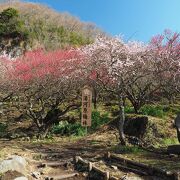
pixel 121 122
pixel 136 106
pixel 170 99
pixel 95 99
pixel 51 118
pixel 136 109
pixel 44 132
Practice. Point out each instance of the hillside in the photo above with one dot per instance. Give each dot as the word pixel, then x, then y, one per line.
pixel 50 29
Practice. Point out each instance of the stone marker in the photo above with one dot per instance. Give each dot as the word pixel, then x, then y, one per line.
pixel 175 149
pixel 177 124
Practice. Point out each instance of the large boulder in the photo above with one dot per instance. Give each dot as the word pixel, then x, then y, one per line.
pixel 174 149
pixel 135 125
pixel 14 163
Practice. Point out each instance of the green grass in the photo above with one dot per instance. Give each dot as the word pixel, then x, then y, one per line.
pixel 169 141
pixel 3 129
pixel 129 109
pixel 160 111
pixel 155 110
pixel 94 142
pixel 127 149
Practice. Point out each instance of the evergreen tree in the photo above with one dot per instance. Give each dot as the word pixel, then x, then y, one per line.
pixel 13 34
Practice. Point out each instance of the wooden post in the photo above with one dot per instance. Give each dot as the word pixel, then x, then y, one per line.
pixel 86 108
pixel 90 166
pixel 86 133
pixel 108 155
pixel 76 159
pixel 107 175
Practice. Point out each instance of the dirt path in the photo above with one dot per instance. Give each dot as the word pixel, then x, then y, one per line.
pixel 46 153
pixel 64 150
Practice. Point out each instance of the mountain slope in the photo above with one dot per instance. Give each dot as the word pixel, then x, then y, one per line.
pixel 51 29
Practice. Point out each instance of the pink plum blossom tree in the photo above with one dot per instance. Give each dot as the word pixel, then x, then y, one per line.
pixel 47 85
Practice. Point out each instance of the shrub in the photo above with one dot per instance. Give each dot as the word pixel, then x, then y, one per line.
pixel 3 129
pixel 153 110
pixel 98 119
pixel 129 109
pixel 75 129
pixel 66 128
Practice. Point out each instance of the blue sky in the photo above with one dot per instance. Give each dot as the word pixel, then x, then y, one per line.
pixel 135 19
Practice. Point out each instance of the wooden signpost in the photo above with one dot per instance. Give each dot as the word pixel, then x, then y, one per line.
pixel 86 107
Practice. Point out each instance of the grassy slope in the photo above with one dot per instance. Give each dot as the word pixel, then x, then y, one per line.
pixel 106 138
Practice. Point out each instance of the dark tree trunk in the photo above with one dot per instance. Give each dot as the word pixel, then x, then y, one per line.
pixel 136 106
pixel 121 122
pixel 171 99
pixel 135 102
pixel 95 99
pixel 43 132
pixel 136 109
pixel 51 118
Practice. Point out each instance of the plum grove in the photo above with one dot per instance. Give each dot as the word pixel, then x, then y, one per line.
pixel 49 83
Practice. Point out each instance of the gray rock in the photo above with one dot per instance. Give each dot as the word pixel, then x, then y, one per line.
pixel 14 163
pixel 114 167
pixel 21 178
pixel 36 175
pixel 11 175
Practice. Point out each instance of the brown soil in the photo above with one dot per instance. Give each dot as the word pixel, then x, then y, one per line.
pixel 65 149
pixel 9 175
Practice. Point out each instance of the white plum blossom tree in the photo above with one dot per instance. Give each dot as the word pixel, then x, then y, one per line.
pixel 117 66
pixel 134 70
